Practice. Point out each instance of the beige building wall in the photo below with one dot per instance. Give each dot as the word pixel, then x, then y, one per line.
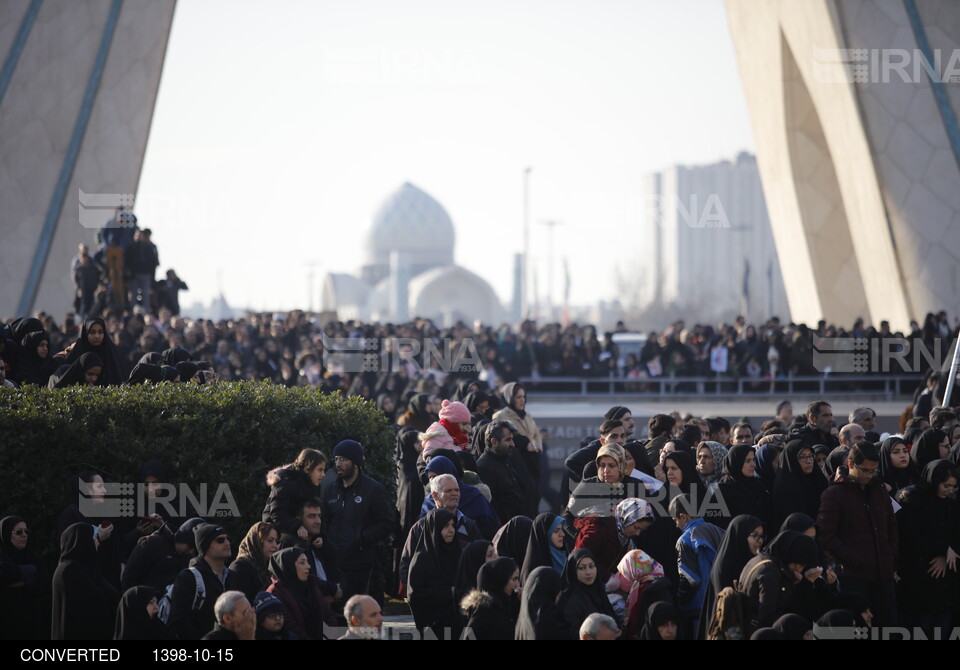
pixel 38 118
pixel 860 177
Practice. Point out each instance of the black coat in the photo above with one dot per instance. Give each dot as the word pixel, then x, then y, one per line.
pixel 329 558
pixel 133 623
pixel 290 489
pixel 187 623
pixel 510 484
pixel 84 604
pixel 356 518
pixel 154 562
pixel 433 572
pixel 24 589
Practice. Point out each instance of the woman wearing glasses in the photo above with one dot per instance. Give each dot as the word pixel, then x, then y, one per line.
pixel 23 583
pixel 798 485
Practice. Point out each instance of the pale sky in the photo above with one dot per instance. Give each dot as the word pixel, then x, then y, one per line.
pixel 280 127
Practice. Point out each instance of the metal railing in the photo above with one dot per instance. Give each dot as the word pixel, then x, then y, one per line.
pixel 889 387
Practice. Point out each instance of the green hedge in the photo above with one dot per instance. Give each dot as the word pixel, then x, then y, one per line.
pixel 226 433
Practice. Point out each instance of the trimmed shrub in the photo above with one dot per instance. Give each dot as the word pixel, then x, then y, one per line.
pixel 217 434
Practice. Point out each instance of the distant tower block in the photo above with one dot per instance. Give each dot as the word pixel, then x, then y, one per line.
pixel 78 84
pixel 858 151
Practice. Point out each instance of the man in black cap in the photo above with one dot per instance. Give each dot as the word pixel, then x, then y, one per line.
pixel 196 589
pixel 160 557
pixel 358 515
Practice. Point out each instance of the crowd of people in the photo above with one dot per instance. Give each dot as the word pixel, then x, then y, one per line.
pixel 289 349
pixel 700 530
pixel 694 528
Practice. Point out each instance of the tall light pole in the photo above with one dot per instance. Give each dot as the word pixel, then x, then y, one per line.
pixel 550 226
pixel 526 242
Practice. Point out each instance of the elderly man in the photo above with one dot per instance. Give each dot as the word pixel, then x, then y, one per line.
pixel 364 619
pixel 599 627
pixel 236 619
pixel 852 434
pixel 445 492
pixel 865 417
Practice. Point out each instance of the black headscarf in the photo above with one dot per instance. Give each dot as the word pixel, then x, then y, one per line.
pixel 438 558
pixel 732 554
pixel 144 372
pixel 926 448
pixel 834 619
pixel 114 371
pixel 680 445
pixel 799 522
pixel 23 326
pixel 793 547
pixel 30 368
pixel 795 491
pixel 539 615
pixel 578 600
pixel 175 355
pixel 688 469
pixel 897 478
pixel 283 568
pixel 133 622
pixel 84 604
pixel 11 553
pixel 472 559
pixel 382 401
pixel 152 358
pixel 837 458
pixel 538 552
pixel 187 370
pixel 792 626
pixel 492 578
pixel 511 540
pixel 76 373
pixel 640 459
pixel 659 614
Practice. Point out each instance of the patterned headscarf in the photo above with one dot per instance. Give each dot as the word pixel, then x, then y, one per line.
pixel 628 512
pixel 636 571
pixel 719 453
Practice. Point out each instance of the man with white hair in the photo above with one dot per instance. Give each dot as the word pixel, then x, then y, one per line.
pixel 864 417
pixel 364 619
pixel 236 619
pixel 445 491
pixel 599 627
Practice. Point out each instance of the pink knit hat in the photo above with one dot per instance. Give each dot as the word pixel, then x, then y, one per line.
pixel 455 412
pixel 436 437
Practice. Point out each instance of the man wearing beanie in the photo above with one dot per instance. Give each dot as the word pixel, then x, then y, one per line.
pixel 358 515
pixel 190 616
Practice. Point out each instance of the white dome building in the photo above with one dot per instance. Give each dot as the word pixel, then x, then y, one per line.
pixel 409 269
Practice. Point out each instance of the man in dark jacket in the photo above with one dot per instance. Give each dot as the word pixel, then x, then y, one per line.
pixel 508 480
pixel 190 619
pixel 819 426
pixel 358 515
pixel 140 261
pixel 322 554
pixel 160 557
pixel 858 527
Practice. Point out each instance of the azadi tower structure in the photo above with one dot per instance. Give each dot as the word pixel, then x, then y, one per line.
pixel 78 83
pixel 854 107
